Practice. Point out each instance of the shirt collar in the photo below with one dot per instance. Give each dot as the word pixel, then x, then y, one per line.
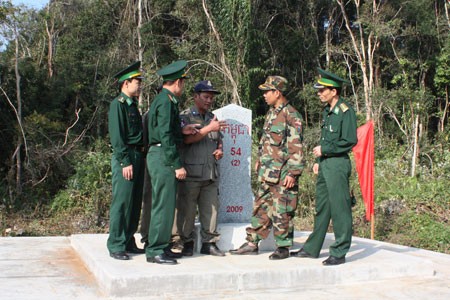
pixel 129 100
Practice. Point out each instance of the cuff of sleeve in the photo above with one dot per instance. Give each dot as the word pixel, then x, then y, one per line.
pixel 177 165
pixel 125 162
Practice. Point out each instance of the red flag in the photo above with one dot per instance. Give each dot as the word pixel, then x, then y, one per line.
pixel 364 158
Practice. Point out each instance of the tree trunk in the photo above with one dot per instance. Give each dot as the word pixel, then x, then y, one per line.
pixel 18 157
pixel 140 49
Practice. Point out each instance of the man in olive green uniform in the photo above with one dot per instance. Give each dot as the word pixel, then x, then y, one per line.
pixel 200 154
pixel 338 136
pixel 279 165
pixel 127 163
pixel 164 163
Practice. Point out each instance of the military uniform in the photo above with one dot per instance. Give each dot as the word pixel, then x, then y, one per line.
pixel 165 137
pixel 125 130
pixel 147 193
pixel 200 188
pixel 280 154
pixel 338 136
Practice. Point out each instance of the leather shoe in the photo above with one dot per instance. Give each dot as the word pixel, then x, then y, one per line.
pixel 121 255
pixel 333 261
pixel 245 249
pixel 280 253
pixel 301 253
pixel 188 249
pixel 135 250
pixel 169 253
pixel 211 249
pixel 162 259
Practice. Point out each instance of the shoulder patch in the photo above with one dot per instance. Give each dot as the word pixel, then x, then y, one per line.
pixel 121 99
pixel 343 107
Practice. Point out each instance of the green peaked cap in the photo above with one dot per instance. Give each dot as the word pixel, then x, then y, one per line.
pixel 132 71
pixel 328 79
pixel 173 71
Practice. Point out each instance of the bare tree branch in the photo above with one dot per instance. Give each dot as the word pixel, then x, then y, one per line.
pixel 236 98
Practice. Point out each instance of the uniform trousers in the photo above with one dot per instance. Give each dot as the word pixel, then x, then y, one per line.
pixel 164 190
pixel 332 203
pixel 275 207
pixel 204 195
pixel 146 206
pixel 126 203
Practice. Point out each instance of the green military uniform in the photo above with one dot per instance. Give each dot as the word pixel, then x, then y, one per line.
pixel 125 130
pixel 164 136
pixel 338 136
pixel 200 186
pixel 147 193
pixel 280 154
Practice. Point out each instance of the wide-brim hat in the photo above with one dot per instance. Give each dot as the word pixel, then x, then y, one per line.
pixel 173 71
pixel 328 79
pixel 132 71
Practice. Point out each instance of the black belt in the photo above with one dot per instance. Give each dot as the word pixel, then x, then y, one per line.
pixel 334 155
pixel 138 148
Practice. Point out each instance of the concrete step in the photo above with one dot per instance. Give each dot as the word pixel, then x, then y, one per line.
pixel 367 261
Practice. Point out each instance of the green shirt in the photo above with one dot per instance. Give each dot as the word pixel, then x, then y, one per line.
pixel 338 135
pixel 125 127
pixel 164 127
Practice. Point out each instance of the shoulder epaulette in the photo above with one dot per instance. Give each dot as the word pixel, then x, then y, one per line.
pixel 343 107
pixel 121 99
pixel 172 99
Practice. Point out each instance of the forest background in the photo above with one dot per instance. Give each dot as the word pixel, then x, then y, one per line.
pixel 56 83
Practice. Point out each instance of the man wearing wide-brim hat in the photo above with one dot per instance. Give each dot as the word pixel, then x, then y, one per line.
pixel 163 161
pixel 127 163
pixel 333 166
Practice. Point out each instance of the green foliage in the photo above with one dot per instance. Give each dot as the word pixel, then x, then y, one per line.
pixel 88 191
pixel 412 211
pixel 65 112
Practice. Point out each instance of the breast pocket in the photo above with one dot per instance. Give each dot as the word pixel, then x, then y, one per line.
pixel 134 120
pixel 276 137
pixel 334 130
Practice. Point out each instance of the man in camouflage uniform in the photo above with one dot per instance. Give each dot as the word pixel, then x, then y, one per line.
pixel 333 166
pixel 279 165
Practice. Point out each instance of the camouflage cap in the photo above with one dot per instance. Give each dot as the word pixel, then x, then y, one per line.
pixel 274 83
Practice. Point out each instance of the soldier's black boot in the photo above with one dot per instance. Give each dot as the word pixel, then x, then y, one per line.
pixel 188 249
pixel 211 249
pixel 280 253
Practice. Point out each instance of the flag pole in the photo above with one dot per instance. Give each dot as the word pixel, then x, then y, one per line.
pixel 372 226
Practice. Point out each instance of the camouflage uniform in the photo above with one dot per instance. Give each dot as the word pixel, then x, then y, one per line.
pixel 280 154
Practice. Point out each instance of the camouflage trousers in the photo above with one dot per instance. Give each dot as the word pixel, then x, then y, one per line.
pixel 275 207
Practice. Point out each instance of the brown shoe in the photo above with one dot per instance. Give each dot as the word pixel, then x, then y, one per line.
pixel 245 249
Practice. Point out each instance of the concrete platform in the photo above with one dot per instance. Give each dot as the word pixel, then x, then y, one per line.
pixel 79 267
